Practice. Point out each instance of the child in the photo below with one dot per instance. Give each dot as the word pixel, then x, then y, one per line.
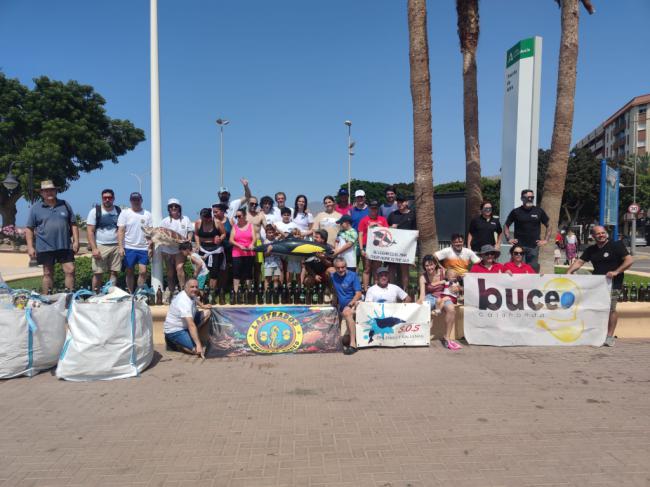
pixel 272 264
pixel 288 228
pixel 201 271
pixel 451 290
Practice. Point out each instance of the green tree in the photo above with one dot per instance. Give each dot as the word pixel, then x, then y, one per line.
pixel 375 190
pixel 59 129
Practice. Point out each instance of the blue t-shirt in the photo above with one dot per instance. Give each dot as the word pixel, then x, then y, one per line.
pixel 356 214
pixel 346 287
pixel 51 225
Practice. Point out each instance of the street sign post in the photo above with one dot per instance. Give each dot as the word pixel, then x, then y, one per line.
pixel 633 208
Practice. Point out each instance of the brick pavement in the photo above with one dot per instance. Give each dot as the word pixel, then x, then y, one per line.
pixel 406 417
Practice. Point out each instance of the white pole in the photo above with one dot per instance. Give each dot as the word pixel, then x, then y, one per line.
pixel 156 170
pixel 221 152
pixel 634 148
pixel 349 124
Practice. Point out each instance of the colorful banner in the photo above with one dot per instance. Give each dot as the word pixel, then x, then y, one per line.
pixel 531 309
pixel 393 325
pixel 261 330
pixel 392 245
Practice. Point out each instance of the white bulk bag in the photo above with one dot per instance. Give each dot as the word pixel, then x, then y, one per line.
pixel 31 339
pixel 105 341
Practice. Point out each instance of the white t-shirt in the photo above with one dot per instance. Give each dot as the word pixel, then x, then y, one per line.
pixel 349 255
pixel 182 306
pixel 303 220
pixel 233 206
pixel 133 223
pixel 457 261
pixel 276 212
pixel 286 227
pixel 388 294
pixel 182 226
pixel 204 268
pixel 103 235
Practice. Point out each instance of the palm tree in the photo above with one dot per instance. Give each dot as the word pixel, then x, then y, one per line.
pixel 421 97
pixel 468 32
pixel 563 122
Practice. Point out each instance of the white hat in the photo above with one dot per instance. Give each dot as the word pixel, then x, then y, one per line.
pixel 173 201
pixel 359 192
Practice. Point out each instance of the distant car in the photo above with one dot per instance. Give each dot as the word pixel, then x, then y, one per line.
pixel 640 242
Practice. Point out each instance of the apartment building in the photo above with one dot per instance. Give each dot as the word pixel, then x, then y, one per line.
pixel 623 134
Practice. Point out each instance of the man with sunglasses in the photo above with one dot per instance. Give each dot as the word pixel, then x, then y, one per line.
pixel 485 229
pixel 131 241
pixel 528 220
pixel 102 238
pixel 224 198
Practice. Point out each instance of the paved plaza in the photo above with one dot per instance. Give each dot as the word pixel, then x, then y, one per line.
pixel 407 417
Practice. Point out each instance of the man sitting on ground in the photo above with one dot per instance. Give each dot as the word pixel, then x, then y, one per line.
pixel 348 292
pixel 385 292
pixel 184 320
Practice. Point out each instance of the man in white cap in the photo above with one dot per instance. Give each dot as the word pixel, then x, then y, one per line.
pixel 385 292
pixel 173 258
pixel 359 209
pixel 131 240
pixel 53 223
pixel 234 205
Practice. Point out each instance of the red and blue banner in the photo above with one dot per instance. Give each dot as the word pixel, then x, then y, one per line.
pixel 262 330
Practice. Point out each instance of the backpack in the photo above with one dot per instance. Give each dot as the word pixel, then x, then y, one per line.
pixel 98 215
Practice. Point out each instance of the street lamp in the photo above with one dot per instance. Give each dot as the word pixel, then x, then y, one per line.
pixel 139 179
pixel 221 122
pixel 350 154
pixel 10 182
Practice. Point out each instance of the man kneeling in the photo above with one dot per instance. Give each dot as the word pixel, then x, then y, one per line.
pixel 183 320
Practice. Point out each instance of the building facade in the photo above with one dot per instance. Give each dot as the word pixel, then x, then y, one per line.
pixel 622 135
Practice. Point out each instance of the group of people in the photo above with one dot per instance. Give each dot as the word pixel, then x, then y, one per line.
pixel 220 246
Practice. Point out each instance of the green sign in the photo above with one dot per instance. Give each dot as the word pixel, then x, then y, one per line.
pixel 522 49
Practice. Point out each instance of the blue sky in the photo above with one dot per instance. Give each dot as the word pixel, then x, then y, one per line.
pixel 288 73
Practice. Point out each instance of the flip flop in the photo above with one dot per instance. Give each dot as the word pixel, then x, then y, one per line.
pixel 453 345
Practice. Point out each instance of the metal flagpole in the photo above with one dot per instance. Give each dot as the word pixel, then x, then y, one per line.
pixel 156 169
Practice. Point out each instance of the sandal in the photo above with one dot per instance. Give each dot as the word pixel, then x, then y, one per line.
pixel 350 350
pixel 453 345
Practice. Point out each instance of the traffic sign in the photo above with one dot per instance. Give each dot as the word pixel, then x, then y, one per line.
pixel 633 208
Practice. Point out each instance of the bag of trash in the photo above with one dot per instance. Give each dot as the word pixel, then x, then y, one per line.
pixel 108 338
pixel 32 332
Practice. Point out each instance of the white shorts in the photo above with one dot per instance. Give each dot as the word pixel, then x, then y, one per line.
pixel 272 271
pixel 294 264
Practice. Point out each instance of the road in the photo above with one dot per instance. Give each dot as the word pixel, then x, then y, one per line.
pixel 642 260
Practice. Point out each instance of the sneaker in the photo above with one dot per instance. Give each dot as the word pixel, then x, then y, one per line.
pixel 609 341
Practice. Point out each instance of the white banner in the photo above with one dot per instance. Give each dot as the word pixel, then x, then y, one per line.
pixel 529 309
pixel 393 324
pixel 392 245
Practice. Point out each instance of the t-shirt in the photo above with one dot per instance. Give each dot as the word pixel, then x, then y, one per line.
pixel 286 228
pixel 366 223
pixel 106 229
pixel 278 215
pixel 133 222
pixel 483 231
pixel 203 269
pixel 496 268
pixel 343 210
pixel 457 261
pixel 51 226
pixel 404 221
pixel 182 226
pixel 327 221
pixel 385 209
pixel 303 220
pixel 349 255
pixel 357 214
pixel 233 206
pixel 607 258
pixel 388 294
pixel 346 287
pixel 182 306
pixel 528 224
pixel 271 260
pixel 523 269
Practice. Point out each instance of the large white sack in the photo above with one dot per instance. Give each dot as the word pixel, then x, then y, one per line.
pixel 106 341
pixel 28 350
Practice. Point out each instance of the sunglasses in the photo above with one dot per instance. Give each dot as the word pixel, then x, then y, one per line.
pixel 239 216
pixel 487 209
pixel 107 198
pixel 252 204
pixel 493 254
pixel 517 253
pixel 174 206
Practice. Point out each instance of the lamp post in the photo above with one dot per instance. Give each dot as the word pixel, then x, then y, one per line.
pixel 156 165
pixel 10 182
pixel 221 122
pixel 350 154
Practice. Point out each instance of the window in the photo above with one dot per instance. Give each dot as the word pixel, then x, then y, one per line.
pixel 640 126
pixel 640 143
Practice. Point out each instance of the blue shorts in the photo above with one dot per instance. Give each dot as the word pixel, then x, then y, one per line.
pixel 202 280
pixel 431 300
pixel 133 257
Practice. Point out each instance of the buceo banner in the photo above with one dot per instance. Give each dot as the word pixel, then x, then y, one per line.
pixel 392 245
pixel 261 330
pixel 393 324
pixel 531 309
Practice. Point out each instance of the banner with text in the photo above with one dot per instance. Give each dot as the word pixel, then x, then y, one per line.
pixel 392 245
pixel 393 324
pixel 253 330
pixel 530 309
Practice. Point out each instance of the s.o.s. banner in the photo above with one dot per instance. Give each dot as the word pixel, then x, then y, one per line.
pixel 263 330
pixel 393 324
pixel 532 309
